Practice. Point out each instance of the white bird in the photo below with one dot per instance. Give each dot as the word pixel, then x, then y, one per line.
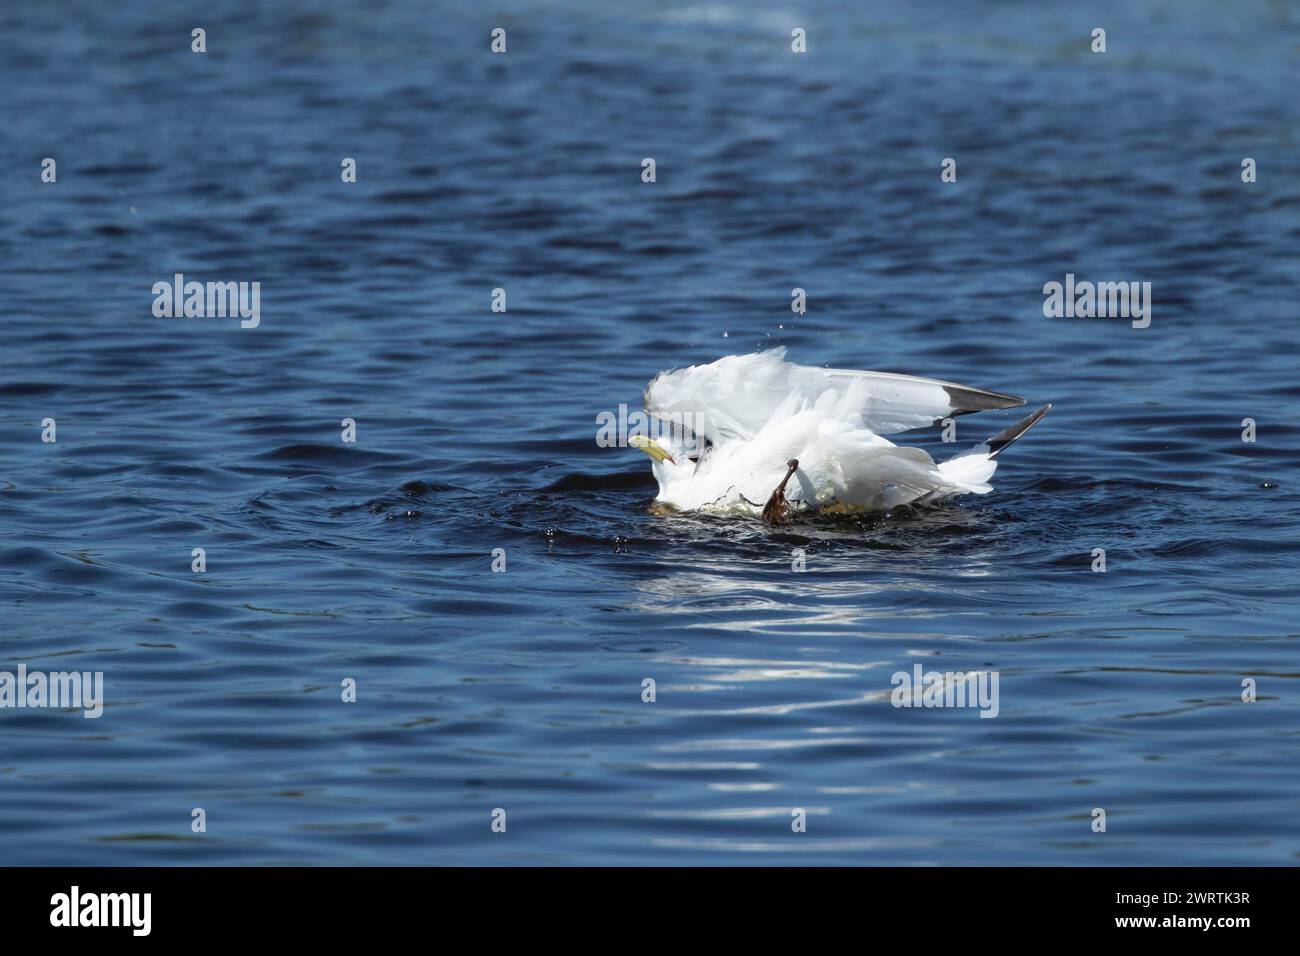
pixel 747 424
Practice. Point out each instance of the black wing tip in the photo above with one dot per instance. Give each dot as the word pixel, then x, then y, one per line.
pixel 965 400
pixel 1009 435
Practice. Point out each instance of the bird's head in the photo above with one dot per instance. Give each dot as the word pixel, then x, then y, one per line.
pixel 673 459
pixel 652 447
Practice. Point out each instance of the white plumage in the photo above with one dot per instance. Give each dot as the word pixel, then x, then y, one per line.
pixel 745 417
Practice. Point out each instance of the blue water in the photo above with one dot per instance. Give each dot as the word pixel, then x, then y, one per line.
pixel 476 431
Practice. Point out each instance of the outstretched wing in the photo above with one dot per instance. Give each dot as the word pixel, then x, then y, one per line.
pixel 735 396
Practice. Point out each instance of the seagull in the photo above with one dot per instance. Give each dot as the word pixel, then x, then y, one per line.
pixel 758 436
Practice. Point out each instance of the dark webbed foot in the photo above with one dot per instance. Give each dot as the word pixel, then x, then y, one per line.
pixel 777 509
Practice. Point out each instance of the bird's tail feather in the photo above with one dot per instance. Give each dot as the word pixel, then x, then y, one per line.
pixel 975 466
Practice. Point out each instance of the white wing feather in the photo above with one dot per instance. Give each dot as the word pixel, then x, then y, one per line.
pixel 735 396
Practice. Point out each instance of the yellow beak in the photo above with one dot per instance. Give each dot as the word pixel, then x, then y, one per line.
pixel 650 447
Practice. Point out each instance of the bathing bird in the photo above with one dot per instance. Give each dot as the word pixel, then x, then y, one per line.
pixel 757 435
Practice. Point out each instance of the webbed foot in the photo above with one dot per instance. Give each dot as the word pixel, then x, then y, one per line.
pixel 777 509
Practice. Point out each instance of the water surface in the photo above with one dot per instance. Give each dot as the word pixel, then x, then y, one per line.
pixel 476 431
